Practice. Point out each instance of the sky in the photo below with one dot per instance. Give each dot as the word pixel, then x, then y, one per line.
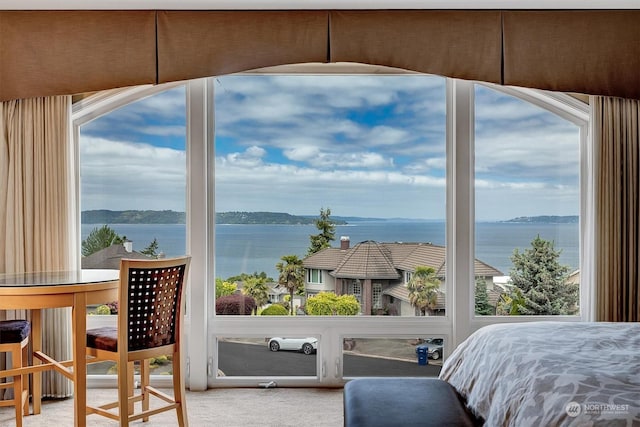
pixel 361 145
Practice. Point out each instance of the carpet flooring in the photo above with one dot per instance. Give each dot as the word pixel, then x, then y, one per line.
pixel 236 407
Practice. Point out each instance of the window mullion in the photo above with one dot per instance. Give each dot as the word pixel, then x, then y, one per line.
pixel 460 208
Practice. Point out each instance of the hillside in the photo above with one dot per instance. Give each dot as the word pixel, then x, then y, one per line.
pixel 546 219
pixel 264 218
pixel 105 216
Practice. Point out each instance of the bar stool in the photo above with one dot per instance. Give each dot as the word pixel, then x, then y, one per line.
pixel 14 339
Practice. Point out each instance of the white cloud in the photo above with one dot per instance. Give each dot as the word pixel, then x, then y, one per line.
pixel 364 145
pixel 121 175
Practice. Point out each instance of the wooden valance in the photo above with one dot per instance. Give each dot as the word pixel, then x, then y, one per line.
pixel 461 44
pixel 67 52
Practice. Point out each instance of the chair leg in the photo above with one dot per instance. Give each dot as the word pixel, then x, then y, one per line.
pixel 25 383
pixel 131 383
pixel 144 383
pixel 124 388
pixel 178 390
pixel 16 357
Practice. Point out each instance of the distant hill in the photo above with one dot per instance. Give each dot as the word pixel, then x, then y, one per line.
pixel 546 219
pixel 265 218
pixel 105 216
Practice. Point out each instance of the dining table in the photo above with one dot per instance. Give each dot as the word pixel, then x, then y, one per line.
pixel 35 291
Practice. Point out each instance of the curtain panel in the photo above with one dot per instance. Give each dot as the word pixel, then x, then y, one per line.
pixel 617 199
pixel 35 217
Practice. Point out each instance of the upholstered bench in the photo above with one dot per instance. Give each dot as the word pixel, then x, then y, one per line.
pixel 384 402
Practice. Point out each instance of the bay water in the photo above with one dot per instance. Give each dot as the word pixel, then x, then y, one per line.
pixel 252 248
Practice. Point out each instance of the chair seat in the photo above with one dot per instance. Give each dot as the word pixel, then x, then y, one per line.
pixel 105 338
pixel 14 331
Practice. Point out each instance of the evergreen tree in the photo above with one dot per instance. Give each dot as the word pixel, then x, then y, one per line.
pixel 327 233
pixel 423 289
pixel 100 238
pixel 152 249
pixel 483 308
pixel 291 275
pixel 542 281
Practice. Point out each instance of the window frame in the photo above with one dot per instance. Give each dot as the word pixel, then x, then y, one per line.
pixel 460 319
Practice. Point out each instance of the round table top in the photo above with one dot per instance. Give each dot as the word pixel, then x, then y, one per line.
pixel 58 278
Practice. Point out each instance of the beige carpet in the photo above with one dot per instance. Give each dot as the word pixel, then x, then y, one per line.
pixel 236 407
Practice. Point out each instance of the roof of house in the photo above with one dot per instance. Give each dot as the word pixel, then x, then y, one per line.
pixel 110 257
pixel 374 260
pixel 367 260
pixel 401 292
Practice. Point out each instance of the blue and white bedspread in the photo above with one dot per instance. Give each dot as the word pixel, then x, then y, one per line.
pixel 550 374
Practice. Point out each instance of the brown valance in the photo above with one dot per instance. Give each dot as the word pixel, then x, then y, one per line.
pixel 203 43
pixel 66 52
pixel 594 52
pixel 461 44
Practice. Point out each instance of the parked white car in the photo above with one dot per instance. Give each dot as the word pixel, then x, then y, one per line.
pixel 307 345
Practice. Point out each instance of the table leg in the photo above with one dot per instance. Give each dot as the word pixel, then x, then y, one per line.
pixel 36 343
pixel 79 358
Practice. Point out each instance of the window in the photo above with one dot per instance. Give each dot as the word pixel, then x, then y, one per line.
pixel 345 143
pixel 527 175
pixel 314 276
pixel 377 295
pixel 132 190
pixel 355 289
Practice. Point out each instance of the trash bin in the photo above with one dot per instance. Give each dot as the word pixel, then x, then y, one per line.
pixel 423 354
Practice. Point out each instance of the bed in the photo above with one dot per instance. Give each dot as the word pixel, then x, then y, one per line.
pixel 550 374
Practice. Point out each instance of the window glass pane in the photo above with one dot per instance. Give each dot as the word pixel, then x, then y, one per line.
pixel 267 357
pixel 382 357
pixel 133 191
pixel 527 208
pixel 341 176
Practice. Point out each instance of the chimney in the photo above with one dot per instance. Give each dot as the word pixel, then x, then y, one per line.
pixel 128 245
pixel 344 243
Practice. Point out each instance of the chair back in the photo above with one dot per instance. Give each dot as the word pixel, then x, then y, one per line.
pixel 151 295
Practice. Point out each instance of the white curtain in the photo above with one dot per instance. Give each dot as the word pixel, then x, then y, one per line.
pixel 35 213
pixel 616 133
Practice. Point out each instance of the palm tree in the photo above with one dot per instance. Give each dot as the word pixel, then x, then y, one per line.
pixel 423 289
pixel 256 287
pixel 291 275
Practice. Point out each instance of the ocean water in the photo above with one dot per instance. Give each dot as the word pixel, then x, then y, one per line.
pixel 251 248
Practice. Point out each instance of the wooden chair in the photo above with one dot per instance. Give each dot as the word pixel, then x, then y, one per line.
pixel 149 325
pixel 14 339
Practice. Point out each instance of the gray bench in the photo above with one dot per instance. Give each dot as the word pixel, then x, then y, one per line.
pixel 384 402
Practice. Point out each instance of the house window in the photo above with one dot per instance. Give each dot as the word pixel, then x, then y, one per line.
pixel 355 289
pixel 314 276
pixel 407 276
pixel 376 295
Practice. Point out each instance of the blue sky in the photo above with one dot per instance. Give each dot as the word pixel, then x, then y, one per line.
pixel 369 146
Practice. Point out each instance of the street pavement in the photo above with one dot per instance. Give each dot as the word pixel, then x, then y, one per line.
pixel 243 359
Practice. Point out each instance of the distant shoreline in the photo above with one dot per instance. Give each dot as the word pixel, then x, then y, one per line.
pixel 105 216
